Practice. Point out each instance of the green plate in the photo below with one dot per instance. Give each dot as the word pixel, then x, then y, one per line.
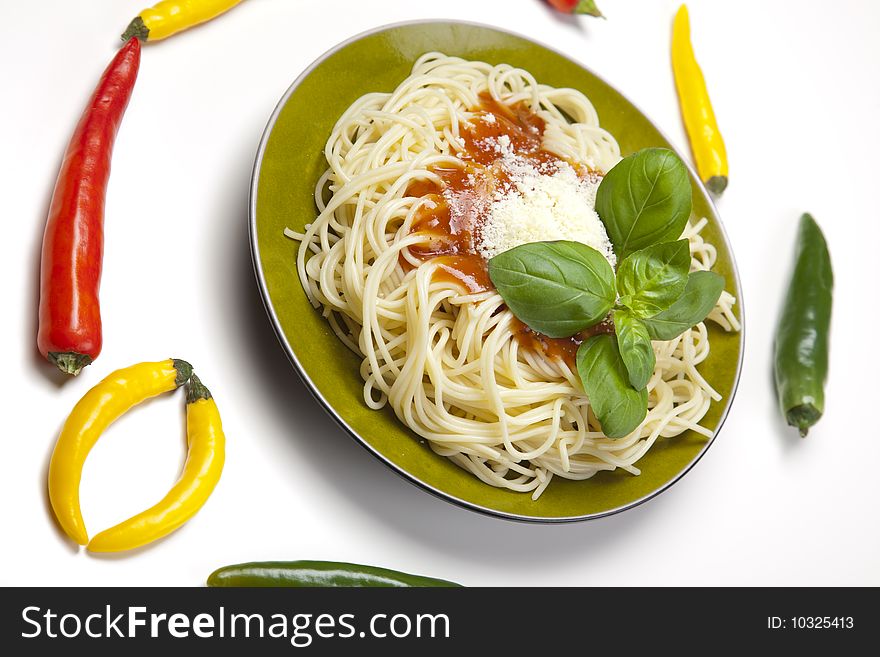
pixel 288 164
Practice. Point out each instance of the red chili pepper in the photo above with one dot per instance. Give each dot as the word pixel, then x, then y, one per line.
pixel 73 244
pixel 577 7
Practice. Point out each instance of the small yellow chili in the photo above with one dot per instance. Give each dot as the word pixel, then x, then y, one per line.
pixel 204 463
pixel 696 108
pixel 172 16
pixel 91 416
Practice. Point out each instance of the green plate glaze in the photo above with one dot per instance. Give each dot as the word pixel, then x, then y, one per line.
pixel 288 164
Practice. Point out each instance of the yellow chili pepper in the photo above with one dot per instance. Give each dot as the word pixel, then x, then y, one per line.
pixel 204 463
pixel 172 16
pixel 696 108
pixel 91 416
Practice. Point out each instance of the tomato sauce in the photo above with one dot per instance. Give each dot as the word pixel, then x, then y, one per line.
pixel 558 348
pixel 456 208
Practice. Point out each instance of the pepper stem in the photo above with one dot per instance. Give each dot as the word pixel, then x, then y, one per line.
pixel 136 28
pixel 587 7
pixel 803 417
pixel 196 390
pixel 184 371
pixel 717 184
pixel 69 362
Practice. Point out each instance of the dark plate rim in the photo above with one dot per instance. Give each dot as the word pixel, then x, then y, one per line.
pixel 291 356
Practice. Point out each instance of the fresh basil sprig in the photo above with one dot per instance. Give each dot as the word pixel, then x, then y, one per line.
pixel 555 288
pixel 561 288
pixel 644 199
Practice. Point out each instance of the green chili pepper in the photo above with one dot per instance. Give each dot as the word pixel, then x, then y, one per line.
pixel 801 359
pixel 305 574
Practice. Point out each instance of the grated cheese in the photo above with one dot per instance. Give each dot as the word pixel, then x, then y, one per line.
pixel 542 202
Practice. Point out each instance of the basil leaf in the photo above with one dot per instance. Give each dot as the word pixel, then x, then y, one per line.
pixel 619 407
pixel 635 348
pixel 555 288
pixel 650 280
pixel 699 297
pixel 644 199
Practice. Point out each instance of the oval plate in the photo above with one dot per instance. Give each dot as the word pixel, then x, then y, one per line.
pixel 289 162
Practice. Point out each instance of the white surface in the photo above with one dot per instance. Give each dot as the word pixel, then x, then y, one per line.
pixel 794 88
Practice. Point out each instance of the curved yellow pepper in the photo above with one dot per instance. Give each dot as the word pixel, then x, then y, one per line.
pixel 707 145
pixel 172 16
pixel 91 416
pixel 204 463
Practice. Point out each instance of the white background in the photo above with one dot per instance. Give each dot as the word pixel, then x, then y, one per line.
pixel 794 85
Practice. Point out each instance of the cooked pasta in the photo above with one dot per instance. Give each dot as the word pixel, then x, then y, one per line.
pixel 437 342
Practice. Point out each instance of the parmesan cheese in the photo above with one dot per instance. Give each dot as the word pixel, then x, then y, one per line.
pixel 542 202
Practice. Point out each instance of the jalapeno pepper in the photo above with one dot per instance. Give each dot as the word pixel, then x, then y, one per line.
pixel 801 349
pixel 306 574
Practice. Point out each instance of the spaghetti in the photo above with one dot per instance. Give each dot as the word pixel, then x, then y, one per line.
pixel 394 263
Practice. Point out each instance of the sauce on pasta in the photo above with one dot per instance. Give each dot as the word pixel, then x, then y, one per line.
pixel 454 209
